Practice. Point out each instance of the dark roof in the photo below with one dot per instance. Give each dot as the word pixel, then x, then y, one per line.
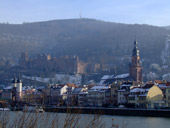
pixel 77 90
pixel 148 85
pixel 14 80
pixel 128 82
pixel 19 80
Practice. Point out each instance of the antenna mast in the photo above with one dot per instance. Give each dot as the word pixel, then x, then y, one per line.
pixel 80 14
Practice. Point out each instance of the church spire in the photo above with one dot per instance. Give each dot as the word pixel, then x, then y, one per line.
pixel 135 51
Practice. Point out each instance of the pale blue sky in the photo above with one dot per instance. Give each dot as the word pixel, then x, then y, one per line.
pixel 154 12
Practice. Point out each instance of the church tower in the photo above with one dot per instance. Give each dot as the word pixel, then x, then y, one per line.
pixel 19 90
pixel 135 68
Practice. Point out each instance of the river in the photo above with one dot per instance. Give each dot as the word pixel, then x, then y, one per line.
pixel 81 120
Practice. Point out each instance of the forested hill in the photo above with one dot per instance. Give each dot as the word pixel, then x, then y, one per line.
pixel 91 40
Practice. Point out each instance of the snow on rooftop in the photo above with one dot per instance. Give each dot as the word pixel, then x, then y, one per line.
pixel 9 87
pixel 102 82
pixel 138 90
pixel 83 93
pixel 161 85
pixel 122 90
pixel 96 88
pixel 77 90
pixel 126 85
pixel 166 75
pixel 122 76
pixel 105 77
pixel 24 88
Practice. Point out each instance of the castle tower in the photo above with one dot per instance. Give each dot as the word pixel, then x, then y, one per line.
pixel 135 68
pixel 23 61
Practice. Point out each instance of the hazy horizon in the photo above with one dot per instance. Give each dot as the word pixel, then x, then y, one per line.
pixel 25 22
pixel 152 12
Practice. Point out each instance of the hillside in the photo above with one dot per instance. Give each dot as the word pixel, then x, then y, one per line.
pixel 91 40
pixel 167 27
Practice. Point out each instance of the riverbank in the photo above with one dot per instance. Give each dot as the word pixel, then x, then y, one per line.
pixel 113 111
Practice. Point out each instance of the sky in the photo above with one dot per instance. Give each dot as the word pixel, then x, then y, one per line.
pixel 153 12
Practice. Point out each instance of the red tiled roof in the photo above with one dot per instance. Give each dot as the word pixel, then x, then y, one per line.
pixel 160 81
pixel 71 85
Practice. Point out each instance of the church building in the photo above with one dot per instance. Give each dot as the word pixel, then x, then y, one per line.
pixel 135 68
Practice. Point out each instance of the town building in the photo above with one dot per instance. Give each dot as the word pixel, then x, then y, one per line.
pixel 97 96
pixel 13 92
pixel 61 94
pixel 155 98
pixel 123 93
pixel 137 97
pixel 32 96
pixel 7 93
pixel 75 96
pixel 114 92
pixel 150 95
pixel 82 98
pixel 58 94
pixel 168 96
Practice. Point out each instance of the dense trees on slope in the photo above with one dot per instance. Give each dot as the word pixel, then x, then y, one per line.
pixel 91 40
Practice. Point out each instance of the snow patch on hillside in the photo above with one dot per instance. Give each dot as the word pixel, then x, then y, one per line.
pixel 58 79
pixel 166 77
pixel 165 53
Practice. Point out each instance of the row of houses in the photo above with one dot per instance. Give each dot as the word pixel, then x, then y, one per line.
pixel 152 94
pixel 46 95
